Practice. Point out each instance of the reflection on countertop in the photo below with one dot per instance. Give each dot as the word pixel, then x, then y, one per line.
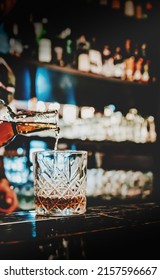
pixel 105 231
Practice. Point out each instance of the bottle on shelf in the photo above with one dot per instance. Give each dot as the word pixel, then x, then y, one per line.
pixel 82 54
pixel 129 8
pixel 144 52
pixel 95 57
pixel 137 75
pixel 107 62
pixel 16 46
pixel 116 4
pixel 138 10
pixel 119 65
pixel 62 48
pixel 127 51
pixel 38 30
pixel 69 51
pixel 152 135
pixel 145 64
pixel 58 56
pixel 145 75
pixel 138 60
pixel 136 54
pixel 129 59
pixel 44 43
pixel 148 8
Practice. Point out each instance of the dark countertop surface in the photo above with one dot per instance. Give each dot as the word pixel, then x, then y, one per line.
pixel 24 226
pixel 132 227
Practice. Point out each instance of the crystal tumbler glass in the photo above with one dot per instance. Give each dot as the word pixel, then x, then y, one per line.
pixel 60 180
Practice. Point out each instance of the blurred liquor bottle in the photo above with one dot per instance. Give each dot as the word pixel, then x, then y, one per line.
pixel 15 42
pixel 61 48
pixel 95 57
pixel 82 53
pixel 44 42
pixel 107 61
pixel 119 65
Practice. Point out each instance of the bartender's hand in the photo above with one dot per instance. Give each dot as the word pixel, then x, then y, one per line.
pixel 8 197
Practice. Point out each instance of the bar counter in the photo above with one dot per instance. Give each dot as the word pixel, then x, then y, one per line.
pixel 104 232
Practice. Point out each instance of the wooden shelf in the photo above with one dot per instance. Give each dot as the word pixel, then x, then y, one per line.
pixel 75 72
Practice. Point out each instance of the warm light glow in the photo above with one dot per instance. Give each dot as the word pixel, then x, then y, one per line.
pixel 41 106
pixel 108 110
pixel 83 62
pixel 69 113
pixel 54 106
pixel 45 50
pixel 87 112
pixel 59 52
pixel 95 58
pixel 129 8
pixel 32 103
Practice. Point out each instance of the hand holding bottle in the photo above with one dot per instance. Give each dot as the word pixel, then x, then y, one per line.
pixel 8 197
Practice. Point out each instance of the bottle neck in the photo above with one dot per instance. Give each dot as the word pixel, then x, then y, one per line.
pixel 49 118
pixel 31 127
pixel 30 121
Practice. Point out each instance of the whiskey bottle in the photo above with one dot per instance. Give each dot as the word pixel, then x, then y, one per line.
pixel 95 57
pixel 16 46
pixel 82 53
pixel 25 122
pixel 45 43
pixel 119 65
pixel 108 62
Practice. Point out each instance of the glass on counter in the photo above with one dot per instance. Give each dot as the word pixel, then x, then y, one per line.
pixel 60 181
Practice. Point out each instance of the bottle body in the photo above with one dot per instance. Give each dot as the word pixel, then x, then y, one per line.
pixel 9 130
pixel 16 46
pixel 7 134
pixel 25 122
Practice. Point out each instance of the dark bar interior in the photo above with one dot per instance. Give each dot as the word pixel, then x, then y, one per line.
pixel 97 62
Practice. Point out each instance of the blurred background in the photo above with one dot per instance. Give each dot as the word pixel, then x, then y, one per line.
pixel 97 63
